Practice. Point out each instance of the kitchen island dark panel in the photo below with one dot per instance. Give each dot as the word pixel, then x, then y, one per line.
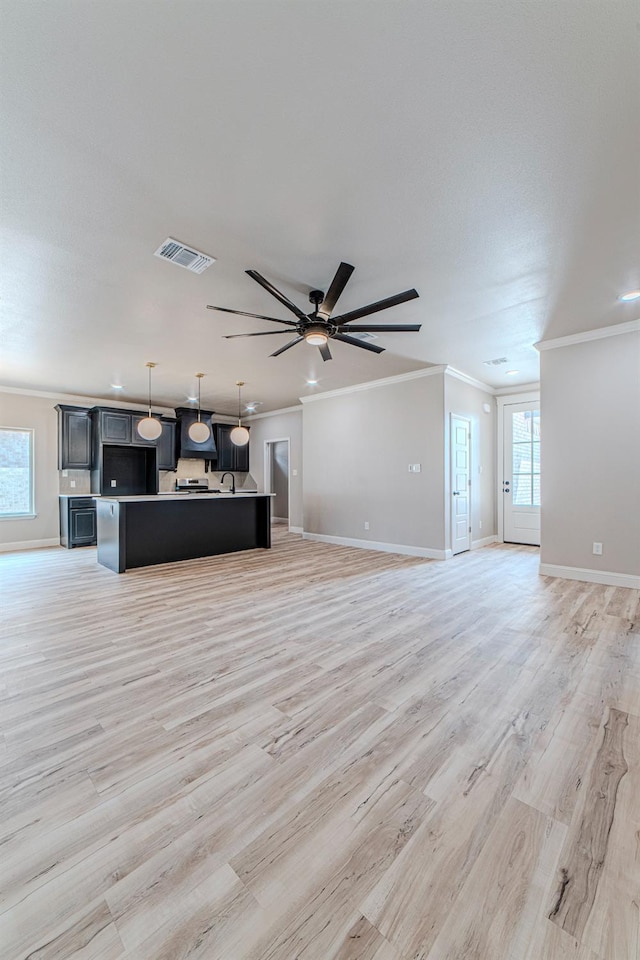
pixel 141 531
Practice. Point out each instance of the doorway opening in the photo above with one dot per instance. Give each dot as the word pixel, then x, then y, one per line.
pixel 277 479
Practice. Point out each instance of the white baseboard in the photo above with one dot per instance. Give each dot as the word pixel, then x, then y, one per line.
pixel 296 530
pixel 426 552
pixel 591 576
pixel 484 542
pixel 28 545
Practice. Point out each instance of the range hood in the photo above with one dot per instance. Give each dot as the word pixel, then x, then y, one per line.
pixel 187 449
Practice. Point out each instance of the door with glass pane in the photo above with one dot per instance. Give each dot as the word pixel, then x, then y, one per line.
pixel 521 484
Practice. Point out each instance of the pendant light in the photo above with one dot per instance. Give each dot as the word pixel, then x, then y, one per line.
pixel 149 427
pixel 198 431
pixel 239 435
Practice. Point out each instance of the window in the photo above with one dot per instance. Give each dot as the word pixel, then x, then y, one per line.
pixel 526 458
pixel 16 472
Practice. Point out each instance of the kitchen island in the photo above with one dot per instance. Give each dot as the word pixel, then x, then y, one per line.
pixel 145 530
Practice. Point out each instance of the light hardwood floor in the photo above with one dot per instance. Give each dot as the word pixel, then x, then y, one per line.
pixel 318 753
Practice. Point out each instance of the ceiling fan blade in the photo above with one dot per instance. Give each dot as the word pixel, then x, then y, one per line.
pixel 378 305
pixel 338 284
pixel 256 316
pixel 357 343
pixel 382 328
pixel 325 353
pixel 276 293
pixel 287 346
pixel 264 333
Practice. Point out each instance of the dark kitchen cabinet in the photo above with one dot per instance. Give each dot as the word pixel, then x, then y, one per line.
pixel 166 444
pixel 114 427
pixel 230 456
pixel 74 438
pixel 135 436
pixel 77 522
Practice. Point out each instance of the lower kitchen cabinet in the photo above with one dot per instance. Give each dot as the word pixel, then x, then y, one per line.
pixel 78 522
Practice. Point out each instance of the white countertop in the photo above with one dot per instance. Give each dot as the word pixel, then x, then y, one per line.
pixel 152 498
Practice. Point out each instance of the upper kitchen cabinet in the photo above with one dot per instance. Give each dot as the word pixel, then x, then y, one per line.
pixel 113 426
pixel 167 458
pixel 230 456
pixel 74 438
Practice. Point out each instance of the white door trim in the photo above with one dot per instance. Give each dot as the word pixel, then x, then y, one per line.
pixel 268 460
pixel 467 420
pixel 503 402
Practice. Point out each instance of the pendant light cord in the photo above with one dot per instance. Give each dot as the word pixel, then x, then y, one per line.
pixel 149 365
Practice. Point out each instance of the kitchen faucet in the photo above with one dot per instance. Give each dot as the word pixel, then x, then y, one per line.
pixel 233 481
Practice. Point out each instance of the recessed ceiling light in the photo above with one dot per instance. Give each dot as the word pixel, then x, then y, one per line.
pixel 312 383
pixel 511 373
pixel 116 386
pixel 192 399
pixel 628 297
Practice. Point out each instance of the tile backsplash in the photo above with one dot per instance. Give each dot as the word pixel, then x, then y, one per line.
pixel 167 479
pixel 195 468
pixel 76 481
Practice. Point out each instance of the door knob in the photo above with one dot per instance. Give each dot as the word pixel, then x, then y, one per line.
pixel 456 493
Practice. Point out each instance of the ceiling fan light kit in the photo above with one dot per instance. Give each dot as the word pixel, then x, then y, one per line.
pixel 198 431
pixel 149 428
pixel 318 327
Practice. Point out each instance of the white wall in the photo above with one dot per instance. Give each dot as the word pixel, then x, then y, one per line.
pixel 357 448
pixel 590 448
pixel 467 401
pixel 279 426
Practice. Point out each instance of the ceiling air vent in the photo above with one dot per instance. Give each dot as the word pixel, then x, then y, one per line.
pixel 362 336
pixel 183 256
pixel 495 363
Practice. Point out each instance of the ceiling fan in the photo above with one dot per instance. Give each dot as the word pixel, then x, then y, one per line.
pixel 318 327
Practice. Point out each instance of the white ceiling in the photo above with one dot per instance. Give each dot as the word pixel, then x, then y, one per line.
pixel 484 152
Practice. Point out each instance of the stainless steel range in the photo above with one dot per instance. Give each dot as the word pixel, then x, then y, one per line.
pixel 192 485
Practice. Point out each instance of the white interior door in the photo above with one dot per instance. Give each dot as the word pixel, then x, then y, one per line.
pixel 460 477
pixel 521 476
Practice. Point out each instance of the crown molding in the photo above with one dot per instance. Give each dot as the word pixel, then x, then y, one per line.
pixel 516 389
pixel 273 413
pixel 374 384
pixel 471 381
pixel 84 401
pixel 631 326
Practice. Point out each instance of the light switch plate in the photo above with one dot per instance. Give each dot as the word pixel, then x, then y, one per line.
pixel 415 467
pixel 113 483
pixel 597 549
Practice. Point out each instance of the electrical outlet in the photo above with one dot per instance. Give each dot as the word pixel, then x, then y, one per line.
pixel 597 549
pixel 366 524
pixel 295 473
pixel 415 467
pixel 65 473
pixel 72 483
pixel 113 483
pixel 480 525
